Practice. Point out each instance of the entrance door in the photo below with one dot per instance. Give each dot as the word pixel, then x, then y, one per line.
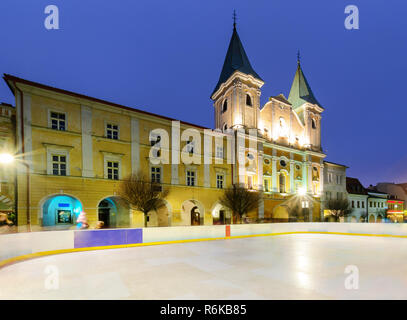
pixel 104 215
pixel 195 217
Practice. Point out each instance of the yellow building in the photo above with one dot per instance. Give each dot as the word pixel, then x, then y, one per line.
pixel 74 150
pixel 7 145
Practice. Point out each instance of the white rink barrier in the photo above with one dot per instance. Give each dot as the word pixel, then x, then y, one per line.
pixel 16 245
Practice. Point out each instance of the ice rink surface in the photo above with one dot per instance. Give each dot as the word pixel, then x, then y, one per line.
pixel 301 266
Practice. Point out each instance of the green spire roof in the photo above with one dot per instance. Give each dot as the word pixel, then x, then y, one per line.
pixel 236 60
pixel 301 92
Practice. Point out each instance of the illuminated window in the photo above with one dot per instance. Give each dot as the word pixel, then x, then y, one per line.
pixel 58 121
pixel 58 165
pixel 219 152
pixel 219 181
pixel 112 131
pixel 155 139
pixel 191 178
pixel 190 147
pixel 155 174
pixel 250 182
pixel 113 170
pixel 266 185
pixel 282 183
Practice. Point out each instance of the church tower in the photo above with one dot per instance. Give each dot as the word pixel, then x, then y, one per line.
pixel 237 94
pixel 307 108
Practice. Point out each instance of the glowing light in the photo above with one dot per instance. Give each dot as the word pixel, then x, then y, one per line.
pixel 6 158
pixel 301 191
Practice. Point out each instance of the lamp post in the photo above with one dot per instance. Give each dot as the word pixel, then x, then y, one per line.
pixel 6 159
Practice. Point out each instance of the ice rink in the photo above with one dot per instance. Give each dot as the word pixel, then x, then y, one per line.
pixel 301 266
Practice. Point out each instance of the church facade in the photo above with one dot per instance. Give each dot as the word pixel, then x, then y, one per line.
pixel 73 151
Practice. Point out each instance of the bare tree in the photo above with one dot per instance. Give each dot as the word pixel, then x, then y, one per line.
pixel 338 208
pixel 142 194
pixel 240 200
pixel 296 212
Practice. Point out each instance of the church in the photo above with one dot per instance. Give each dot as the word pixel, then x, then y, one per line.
pixel 73 152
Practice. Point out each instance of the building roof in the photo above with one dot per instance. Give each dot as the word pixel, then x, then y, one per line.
pixel 336 164
pixel 353 186
pixel 12 79
pixel 281 98
pixel 301 92
pixel 236 60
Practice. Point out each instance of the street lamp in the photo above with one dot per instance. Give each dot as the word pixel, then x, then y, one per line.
pixel 6 159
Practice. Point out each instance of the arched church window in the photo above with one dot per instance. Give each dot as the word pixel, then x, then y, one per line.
pixel 249 100
pixel 314 124
pixel 225 105
pixel 282 182
pixel 225 127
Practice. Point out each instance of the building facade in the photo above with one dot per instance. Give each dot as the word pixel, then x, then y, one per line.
pixel 7 144
pixel 358 198
pixel 73 152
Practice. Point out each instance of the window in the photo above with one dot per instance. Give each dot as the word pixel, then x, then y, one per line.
pixel 338 179
pixel 58 121
pixel 353 203
pixel 112 131
pixel 248 100
pixel 266 185
pixel 283 163
pixel 250 182
pixel 358 204
pixel 282 183
pixel 250 156
pixel 155 174
pixel 113 170
pixel 370 204
pixel 225 106
pixel 191 178
pixel 330 177
pixel 225 127
pixel 219 181
pixel 219 152
pixel 363 204
pixel 190 147
pixel 155 140
pixel 58 165
pixel 328 195
pixel 314 124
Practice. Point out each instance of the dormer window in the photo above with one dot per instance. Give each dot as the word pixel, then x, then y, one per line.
pixel 314 124
pixel 249 100
pixel 225 106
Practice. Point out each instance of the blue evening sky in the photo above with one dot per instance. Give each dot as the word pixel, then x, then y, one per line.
pixel 166 56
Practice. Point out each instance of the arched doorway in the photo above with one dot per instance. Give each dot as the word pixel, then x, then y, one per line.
pixel 192 213
pixel 379 219
pixel 161 217
pixel 60 210
pixel 372 219
pixel 114 212
pixel 221 215
pixel 280 214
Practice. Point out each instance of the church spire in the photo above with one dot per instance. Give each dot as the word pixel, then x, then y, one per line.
pixel 301 92
pixel 235 60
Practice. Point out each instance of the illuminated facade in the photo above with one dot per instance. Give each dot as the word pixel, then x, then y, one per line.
pixel 7 142
pixel 76 149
